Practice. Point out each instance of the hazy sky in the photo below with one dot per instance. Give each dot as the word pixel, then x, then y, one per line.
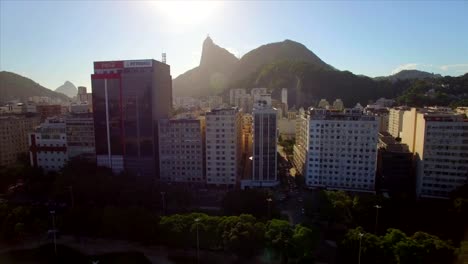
pixel 54 41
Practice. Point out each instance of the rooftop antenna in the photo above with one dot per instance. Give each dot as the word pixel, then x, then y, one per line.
pixel 164 57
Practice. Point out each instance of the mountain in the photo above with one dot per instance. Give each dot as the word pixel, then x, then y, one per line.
pixel 67 89
pixel 220 69
pixel 273 52
pixel 410 75
pixel 211 76
pixel 14 86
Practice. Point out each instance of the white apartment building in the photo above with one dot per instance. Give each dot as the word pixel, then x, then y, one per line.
pixel 395 121
pixel 341 150
pixel 439 141
pixel 234 94
pixel 48 145
pixel 223 146
pixel 255 92
pixel 181 150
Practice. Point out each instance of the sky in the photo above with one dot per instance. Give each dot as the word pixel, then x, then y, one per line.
pixel 55 41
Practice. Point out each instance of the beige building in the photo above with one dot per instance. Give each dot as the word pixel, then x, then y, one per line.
pixel 300 149
pixel 439 142
pixel 14 130
pixel 181 150
pixel 223 147
pixel 395 121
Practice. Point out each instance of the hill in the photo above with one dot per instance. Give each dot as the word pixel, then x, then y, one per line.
pixel 211 76
pixel 14 86
pixel 308 83
pixel 67 89
pixel 273 52
pixel 410 75
pixel 219 69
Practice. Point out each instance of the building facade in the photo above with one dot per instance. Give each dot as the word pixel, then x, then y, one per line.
pixel 181 150
pixel 341 150
pixel 14 130
pixel 395 121
pixel 80 136
pixel 439 142
pixel 46 111
pixel 129 99
pixel 48 145
pixel 223 147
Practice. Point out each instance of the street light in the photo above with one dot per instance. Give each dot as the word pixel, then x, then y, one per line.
pixel 197 220
pixel 377 207
pixel 269 200
pixel 360 240
pixel 163 196
pixel 52 213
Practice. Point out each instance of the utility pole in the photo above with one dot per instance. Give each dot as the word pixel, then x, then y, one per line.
pixel 360 241
pixel 52 213
pixel 198 241
pixel 163 197
pixel 377 207
pixel 269 200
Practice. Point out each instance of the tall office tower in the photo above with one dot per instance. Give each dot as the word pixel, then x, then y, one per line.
pixel 80 136
pixel 129 99
pixel 181 149
pixel 14 130
pixel 264 143
pixel 284 99
pixel 48 145
pixel 341 150
pixel 439 142
pixel 223 147
pixel 395 120
pixel 323 103
pixel 338 105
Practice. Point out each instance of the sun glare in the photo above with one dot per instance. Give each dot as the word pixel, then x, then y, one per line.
pixel 186 13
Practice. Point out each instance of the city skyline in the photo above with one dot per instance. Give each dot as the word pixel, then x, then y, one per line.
pixel 62 39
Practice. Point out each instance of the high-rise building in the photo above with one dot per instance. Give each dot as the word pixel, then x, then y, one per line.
pixel 265 137
pixel 48 145
pixel 341 150
pixel 14 130
pixel 223 147
pixel 395 173
pixel 300 148
pixel 80 136
pixel 439 142
pixel 181 149
pixel 395 121
pixel 129 99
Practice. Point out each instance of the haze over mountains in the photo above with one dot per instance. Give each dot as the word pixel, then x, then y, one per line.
pixel 67 89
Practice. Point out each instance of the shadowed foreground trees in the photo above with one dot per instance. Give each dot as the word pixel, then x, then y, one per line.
pixel 396 247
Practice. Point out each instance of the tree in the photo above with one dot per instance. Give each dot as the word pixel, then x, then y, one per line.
pixel 303 241
pixel 279 237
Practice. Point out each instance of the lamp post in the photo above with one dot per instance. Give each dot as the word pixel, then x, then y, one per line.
pixel 197 220
pixel 163 199
pixel 52 213
pixel 360 240
pixel 377 207
pixel 269 200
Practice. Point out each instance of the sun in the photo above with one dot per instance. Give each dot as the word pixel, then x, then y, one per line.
pixel 186 13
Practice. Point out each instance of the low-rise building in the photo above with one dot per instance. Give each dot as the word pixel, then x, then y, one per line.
pixel 48 145
pixel 14 130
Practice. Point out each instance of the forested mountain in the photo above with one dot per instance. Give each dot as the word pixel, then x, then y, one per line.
pixel 410 75
pixel 14 86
